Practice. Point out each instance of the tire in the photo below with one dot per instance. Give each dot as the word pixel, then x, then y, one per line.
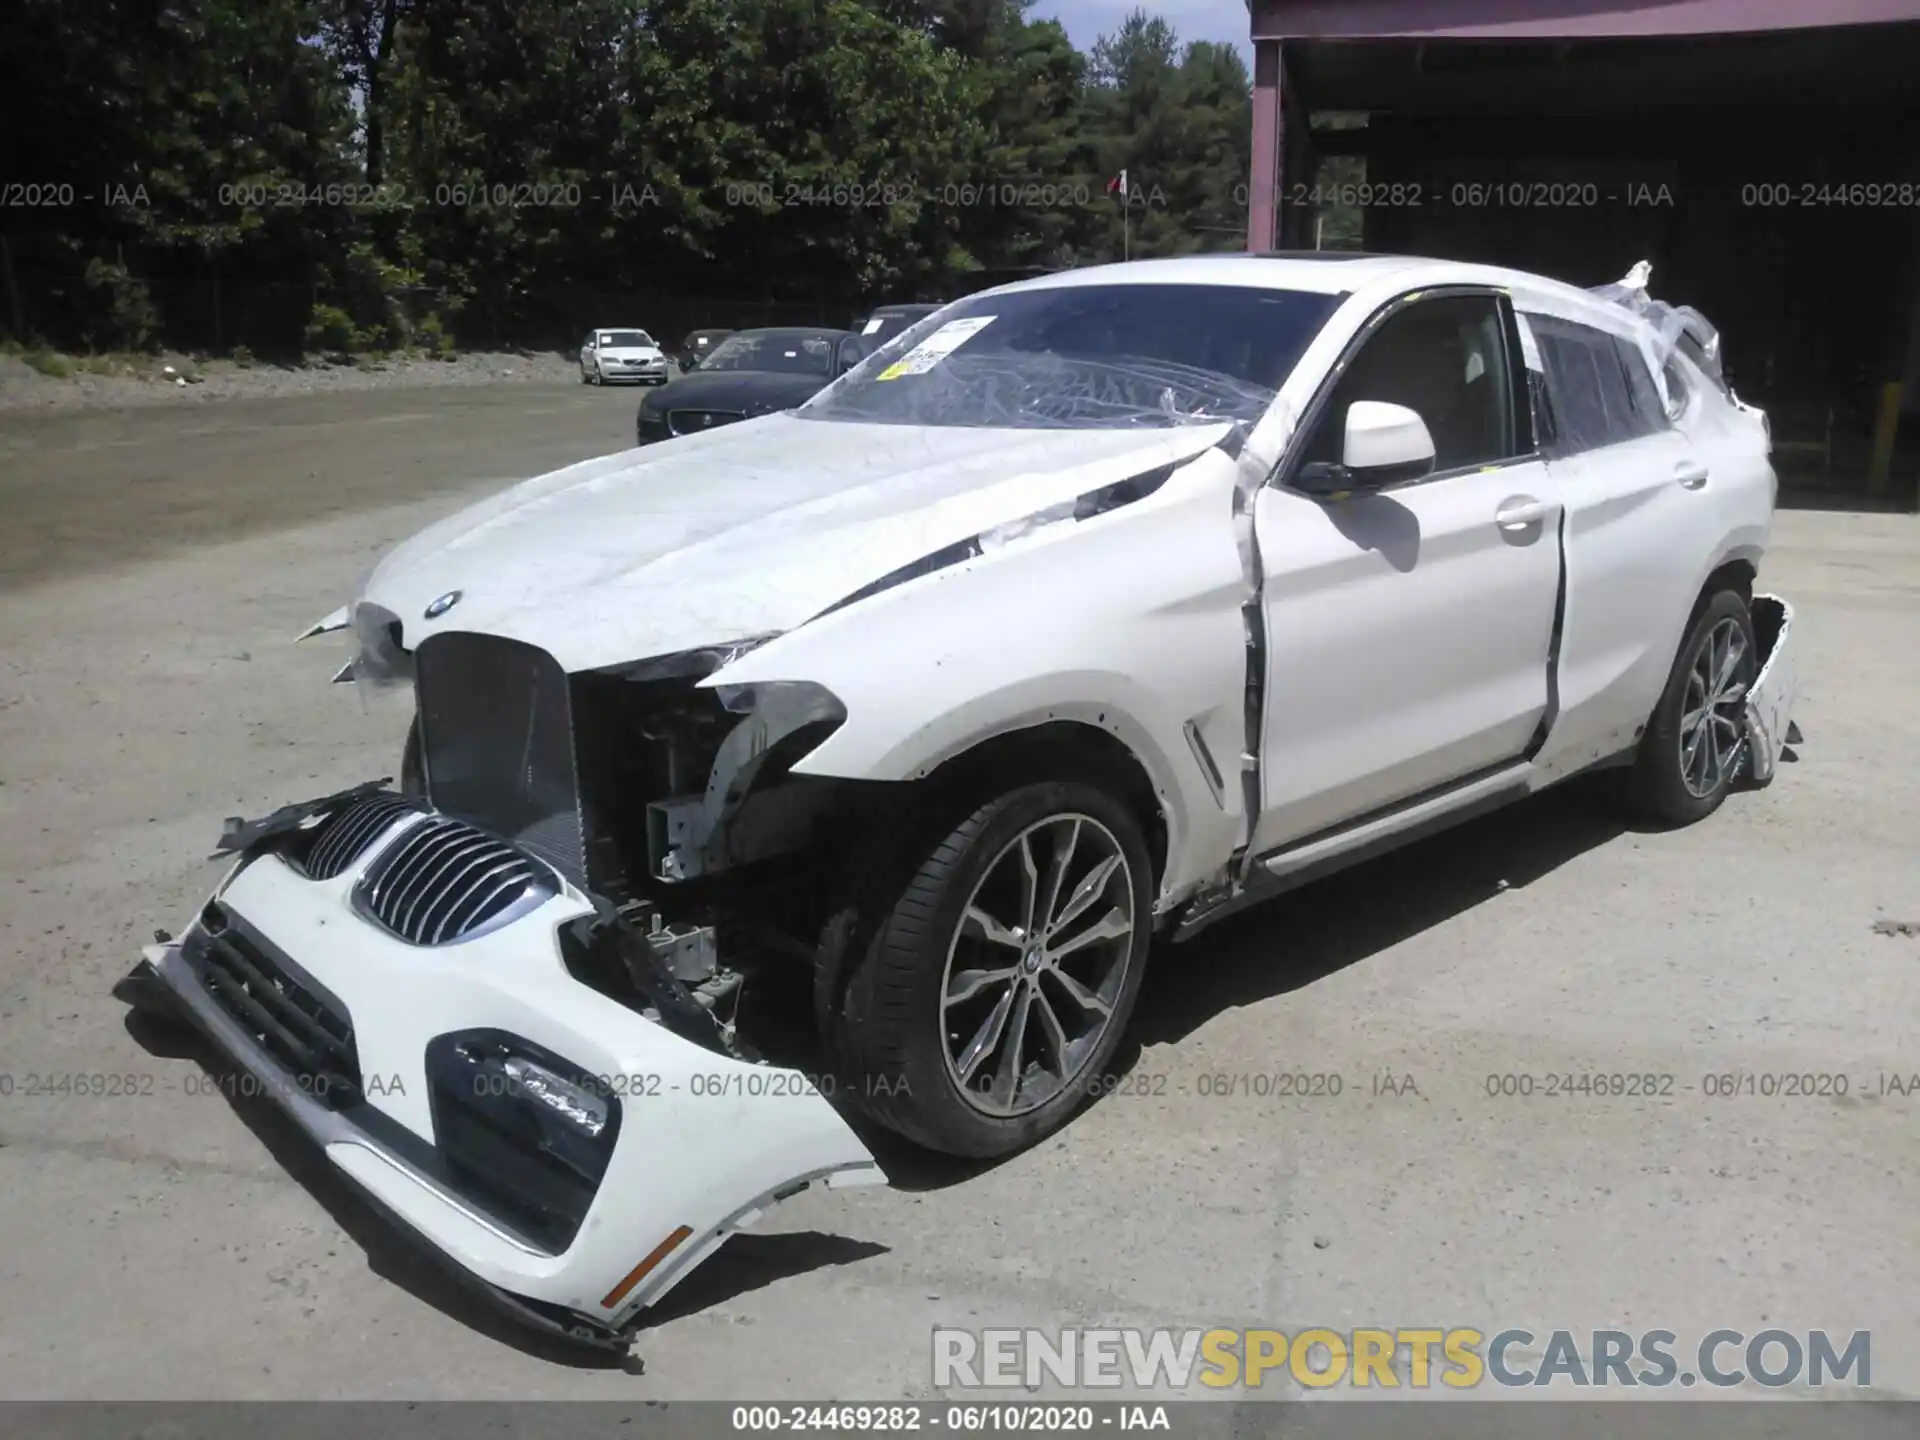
pixel 1677 778
pixel 930 1067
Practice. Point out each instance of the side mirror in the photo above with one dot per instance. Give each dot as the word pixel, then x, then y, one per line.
pixel 1385 445
pixel 850 353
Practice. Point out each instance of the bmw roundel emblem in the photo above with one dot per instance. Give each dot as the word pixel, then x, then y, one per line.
pixel 445 603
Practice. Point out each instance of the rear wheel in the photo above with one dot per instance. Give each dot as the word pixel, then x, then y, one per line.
pixel 1695 745
pixel 979 997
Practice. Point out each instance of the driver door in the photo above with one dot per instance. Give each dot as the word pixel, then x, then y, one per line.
pixel 1408 625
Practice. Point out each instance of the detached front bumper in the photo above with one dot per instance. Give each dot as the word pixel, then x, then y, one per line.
pixel 702 1144
pixel 1775 688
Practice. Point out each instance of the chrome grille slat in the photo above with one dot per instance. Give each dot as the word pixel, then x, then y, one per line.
pixel 427 883
pixel 454 901
pixel 397 868
pixel 692 422
pixel 447 881
pixel 345 836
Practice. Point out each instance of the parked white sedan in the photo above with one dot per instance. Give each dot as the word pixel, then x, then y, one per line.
pixel 615 357
pixel 1094 606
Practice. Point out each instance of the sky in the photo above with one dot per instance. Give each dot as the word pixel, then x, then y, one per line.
pixel 1087 20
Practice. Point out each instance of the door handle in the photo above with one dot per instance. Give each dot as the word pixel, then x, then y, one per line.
pixel 1519 513
pixel 1690 474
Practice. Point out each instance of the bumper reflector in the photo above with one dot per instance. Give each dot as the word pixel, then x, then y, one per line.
pixel 645 1268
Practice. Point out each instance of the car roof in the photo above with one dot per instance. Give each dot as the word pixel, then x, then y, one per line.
pixel 1338 272
pixel 797 331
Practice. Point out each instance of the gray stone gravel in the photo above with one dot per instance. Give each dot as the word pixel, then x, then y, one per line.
pixel 24 388
pixel 172 1242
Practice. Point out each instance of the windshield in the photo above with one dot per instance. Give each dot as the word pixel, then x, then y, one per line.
pixel 1086 357
pixel 882 327
pixel 788 352
pixel 624 339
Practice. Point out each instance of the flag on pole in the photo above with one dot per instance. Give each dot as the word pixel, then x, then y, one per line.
pixel 1118 185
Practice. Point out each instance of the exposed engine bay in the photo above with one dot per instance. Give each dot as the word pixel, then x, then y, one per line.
pixel 672 807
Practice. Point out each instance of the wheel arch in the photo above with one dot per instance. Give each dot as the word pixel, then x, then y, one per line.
pixel 1060 748
pixel 1737 572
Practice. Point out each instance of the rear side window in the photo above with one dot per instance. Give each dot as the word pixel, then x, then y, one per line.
pixel 1599 387
pixel 1649 411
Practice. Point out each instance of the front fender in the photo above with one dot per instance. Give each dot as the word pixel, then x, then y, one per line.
pixel 1129 621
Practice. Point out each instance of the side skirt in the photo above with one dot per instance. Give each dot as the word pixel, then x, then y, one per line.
pixel 1318 856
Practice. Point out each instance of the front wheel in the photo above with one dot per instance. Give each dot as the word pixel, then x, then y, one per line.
pixel 1696 742
pixel 980 1000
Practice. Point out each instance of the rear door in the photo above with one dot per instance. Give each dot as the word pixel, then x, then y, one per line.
pixel 1408 629
pixel 1640 505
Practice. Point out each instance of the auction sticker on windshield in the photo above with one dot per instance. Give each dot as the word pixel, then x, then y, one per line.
pixel 936 347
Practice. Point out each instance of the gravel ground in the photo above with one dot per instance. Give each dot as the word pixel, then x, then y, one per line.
pixel 24 388
pixel 170 1244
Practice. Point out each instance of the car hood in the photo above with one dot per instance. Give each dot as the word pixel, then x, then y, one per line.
pixel 746 530
pixel 631 352
pixel 751 392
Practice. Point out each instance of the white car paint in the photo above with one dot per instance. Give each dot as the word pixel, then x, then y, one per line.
pixel 788 517
pixel 1298 677
pixel 606 360
pixel 401 996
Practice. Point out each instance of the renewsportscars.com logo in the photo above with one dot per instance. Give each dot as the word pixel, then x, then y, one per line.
pixel 1418 1359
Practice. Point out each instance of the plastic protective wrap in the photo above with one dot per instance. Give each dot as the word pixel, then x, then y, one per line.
pixel 1674 326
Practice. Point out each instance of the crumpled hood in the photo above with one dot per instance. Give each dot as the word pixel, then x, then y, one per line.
pixel 750 529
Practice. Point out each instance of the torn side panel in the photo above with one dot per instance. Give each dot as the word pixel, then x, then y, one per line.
pixel 1771 698
pixel 1675 327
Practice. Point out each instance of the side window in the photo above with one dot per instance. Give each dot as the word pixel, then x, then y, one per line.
pixel 1592 405
pixel 1649 414
pixel 1445 358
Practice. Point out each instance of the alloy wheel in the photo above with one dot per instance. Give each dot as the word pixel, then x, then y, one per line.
pixel 1713 710
pixel 1037 964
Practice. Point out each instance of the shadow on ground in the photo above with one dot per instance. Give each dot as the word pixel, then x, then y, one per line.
pixel 1298 938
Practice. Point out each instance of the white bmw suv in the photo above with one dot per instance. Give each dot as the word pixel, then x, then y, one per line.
pixel 1087 610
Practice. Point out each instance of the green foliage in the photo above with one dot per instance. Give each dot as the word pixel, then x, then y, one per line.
pixel 49 363
pixel 333 331
pixel 121 316
pixel 432 336
pixel 426 172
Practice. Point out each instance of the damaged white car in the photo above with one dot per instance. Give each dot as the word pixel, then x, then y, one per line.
pixel 1089 608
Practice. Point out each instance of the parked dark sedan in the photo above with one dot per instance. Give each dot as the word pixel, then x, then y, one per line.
pixel 889 320
pixel 698 345
pixel 752 372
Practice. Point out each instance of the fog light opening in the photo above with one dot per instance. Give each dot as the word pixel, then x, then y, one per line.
pixel 585 1112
